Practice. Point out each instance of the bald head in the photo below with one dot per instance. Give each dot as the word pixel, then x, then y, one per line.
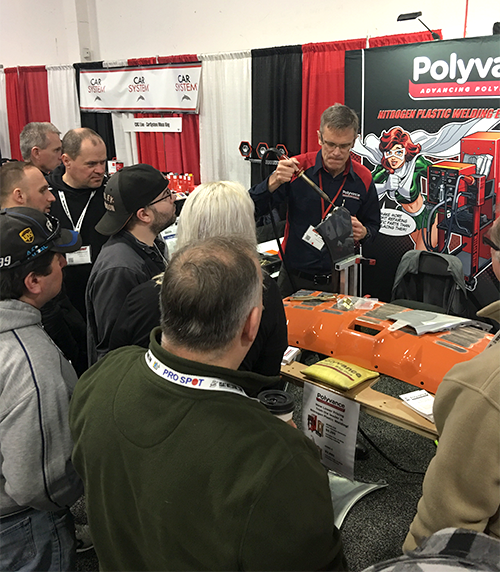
pixel 84 157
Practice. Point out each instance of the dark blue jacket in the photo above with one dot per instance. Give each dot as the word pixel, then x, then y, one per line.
pixel 305 207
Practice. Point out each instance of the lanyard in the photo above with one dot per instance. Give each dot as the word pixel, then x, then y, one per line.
pixel 210 383
pixel 165 261
pixel 65 207
pixel 330 206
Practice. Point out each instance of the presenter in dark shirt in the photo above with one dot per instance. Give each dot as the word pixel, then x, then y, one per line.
pixel 346 182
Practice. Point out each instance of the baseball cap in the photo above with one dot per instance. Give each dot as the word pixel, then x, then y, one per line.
pixel 127 191
pixel 27 233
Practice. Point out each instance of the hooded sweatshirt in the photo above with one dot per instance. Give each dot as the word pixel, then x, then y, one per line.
pixel 36 383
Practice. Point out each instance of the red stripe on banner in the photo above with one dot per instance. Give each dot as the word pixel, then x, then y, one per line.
pixel 454 90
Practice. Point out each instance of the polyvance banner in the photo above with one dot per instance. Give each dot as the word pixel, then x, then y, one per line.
pixel 172 88
pixel 430 135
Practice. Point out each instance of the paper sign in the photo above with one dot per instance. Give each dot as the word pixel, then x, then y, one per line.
pixel 331 422
pixel 155 124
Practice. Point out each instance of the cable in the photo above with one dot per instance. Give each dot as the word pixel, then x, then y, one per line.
pixel 454 204
pixel 393 463
pixel 273 222
pixel 427 236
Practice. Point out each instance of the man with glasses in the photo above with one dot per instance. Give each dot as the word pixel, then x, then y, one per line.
pixel 139 205
pixel 461 487
pixel 38 483
pixel 347 183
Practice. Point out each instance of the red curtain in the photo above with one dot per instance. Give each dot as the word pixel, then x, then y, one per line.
pixel 176 152
pixel 27 100
pixel 396 39
pixel 142 61
pixel 16 112
pixel 181 59
pixel 322 84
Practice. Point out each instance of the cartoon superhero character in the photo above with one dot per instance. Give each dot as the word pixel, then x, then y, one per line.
pixel 399 176
pixel 400 165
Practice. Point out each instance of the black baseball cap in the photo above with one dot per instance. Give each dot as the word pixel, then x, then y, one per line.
pixel 27 233
pixel 127 191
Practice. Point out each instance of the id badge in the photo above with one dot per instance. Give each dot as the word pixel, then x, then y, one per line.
pixel 81 256
pixel 312 237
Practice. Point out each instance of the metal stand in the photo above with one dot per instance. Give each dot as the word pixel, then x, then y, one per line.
pixel 350 282
pixel 348 268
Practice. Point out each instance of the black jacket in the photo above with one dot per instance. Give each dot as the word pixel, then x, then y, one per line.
pixel 76 277
pixel 140 313
pixel 123 263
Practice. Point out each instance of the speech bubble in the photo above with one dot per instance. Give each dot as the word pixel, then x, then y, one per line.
pixel 396 223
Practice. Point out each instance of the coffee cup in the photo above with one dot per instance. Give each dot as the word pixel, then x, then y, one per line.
pixel 278 402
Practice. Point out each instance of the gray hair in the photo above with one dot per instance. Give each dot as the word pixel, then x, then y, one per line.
pixel 72 141
pixel 35 135
pixel 217 209
pixel 339 117
pixel 208 291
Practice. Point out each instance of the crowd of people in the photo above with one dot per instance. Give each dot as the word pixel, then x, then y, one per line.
pixel 130 374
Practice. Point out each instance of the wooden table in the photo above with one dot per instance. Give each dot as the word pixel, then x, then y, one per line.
pixel 386 407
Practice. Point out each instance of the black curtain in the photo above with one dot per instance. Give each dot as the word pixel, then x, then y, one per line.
pixel 100 122
pixel 276 99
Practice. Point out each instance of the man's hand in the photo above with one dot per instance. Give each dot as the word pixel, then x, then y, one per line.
pixel 358 230
pixel 283 173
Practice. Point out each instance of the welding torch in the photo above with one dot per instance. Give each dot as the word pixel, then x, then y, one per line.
pixel 300 173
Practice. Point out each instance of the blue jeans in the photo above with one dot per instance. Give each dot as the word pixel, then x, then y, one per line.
pixel 38 540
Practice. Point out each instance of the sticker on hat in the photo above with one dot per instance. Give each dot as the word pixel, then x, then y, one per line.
pixel 27 235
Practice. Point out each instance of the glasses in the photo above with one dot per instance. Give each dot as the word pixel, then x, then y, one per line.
pixel 490 243
pixel 331 145
pixel 166 196
pixel 398 153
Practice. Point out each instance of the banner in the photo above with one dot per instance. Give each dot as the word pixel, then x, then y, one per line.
pixel 152 89
pixel 430 134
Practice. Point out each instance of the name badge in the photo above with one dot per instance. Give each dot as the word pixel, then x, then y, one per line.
pixel 312 237
pixel 81 256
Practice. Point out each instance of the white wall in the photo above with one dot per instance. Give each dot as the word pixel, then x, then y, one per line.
pixel 54 31
pixel 37 32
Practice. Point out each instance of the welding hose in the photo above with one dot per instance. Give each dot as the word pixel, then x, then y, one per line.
pixel 273 222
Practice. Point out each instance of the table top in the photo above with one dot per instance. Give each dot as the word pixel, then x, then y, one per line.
pixel 375 402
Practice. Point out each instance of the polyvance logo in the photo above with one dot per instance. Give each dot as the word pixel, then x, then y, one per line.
pixel 457 78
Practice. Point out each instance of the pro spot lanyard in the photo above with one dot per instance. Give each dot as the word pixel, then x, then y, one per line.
pixel 65 207
pixel 210 383
pixel 330 206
